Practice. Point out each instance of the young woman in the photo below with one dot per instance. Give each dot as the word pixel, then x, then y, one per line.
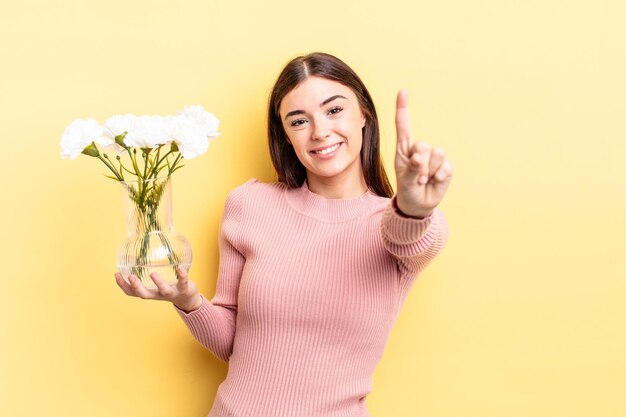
pixel 314 268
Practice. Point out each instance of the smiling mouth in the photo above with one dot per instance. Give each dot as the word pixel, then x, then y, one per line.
pixel 327 150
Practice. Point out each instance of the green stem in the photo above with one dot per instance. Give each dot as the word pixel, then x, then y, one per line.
pixel 133 159
pixel 145 162
pixel 145 173
pixel 154 172
pixel 178 158
pixel 138 173
pixel 121 167
pixel 164 156
pixel 126 169
pixel 111 167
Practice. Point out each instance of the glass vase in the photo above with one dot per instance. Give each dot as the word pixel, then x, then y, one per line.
pixel 152 244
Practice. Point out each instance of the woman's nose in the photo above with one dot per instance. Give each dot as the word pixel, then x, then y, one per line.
pixel 321 130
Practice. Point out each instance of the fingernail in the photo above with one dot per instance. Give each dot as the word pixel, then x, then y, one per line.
pixel 423 179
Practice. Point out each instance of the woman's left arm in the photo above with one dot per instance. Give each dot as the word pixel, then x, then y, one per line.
pixel 413 228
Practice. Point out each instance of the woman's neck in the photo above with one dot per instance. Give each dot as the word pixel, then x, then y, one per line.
pixel 336 188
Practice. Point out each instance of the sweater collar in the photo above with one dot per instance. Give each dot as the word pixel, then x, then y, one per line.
pixel 331 210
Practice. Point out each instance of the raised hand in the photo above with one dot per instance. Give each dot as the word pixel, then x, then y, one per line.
pixel 423 176
pixel 184 295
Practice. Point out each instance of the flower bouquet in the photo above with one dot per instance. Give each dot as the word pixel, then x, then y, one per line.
pixel 141 153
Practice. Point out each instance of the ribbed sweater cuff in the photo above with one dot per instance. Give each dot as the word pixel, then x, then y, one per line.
pixel 401 229
pixel 197 315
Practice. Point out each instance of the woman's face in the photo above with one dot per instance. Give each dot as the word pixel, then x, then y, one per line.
pixel 323 121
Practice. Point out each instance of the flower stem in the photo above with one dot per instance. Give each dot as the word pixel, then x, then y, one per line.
pixel 133 158
pixel 111 167
pixel 145 153
pixel 178 158
pixel 155 171
pixel 145 162
pixel 164 156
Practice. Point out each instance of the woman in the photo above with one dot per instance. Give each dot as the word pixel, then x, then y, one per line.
pixel 315 267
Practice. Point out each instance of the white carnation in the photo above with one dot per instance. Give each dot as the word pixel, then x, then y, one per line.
pixel 118 124
pixel 150 132
pixel 206 121
pixel 191 129
pixel 190 138
pixel 79 134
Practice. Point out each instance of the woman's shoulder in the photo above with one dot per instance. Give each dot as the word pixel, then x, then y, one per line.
pixel 256 187
pixel 253 197
pixel 256 184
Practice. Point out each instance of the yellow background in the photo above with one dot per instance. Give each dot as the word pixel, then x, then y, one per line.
pixel 523 314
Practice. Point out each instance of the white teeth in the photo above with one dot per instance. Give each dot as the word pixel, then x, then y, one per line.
pixel 328 150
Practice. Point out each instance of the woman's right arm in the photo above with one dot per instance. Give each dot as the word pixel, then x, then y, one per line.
pixel 212 322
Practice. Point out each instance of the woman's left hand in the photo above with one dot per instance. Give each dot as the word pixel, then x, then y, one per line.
pixel 423 175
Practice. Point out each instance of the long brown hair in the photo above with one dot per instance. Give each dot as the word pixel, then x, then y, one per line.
pixel 289 168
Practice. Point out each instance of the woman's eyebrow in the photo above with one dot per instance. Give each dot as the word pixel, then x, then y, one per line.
pixel 328 100
pixel 325 102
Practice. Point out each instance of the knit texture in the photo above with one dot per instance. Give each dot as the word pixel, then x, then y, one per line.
pixel 308 291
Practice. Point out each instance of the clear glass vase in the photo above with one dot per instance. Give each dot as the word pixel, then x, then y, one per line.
pixel 152 244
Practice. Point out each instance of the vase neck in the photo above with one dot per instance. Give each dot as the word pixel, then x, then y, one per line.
pixel 148 205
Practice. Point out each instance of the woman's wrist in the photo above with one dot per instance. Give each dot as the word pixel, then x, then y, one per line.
pixel 403 213
pixel 192 306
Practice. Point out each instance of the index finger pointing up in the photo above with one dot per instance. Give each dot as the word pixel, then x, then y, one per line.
pixel 403 125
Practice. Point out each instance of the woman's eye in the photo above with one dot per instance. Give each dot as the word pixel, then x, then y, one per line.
pixel 297 122
pixel 335 110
